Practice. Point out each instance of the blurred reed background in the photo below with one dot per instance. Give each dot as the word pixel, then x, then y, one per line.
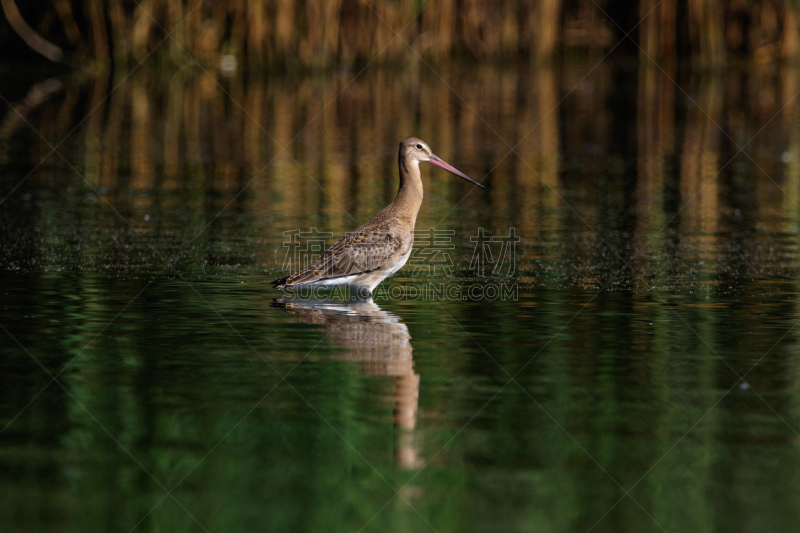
pixel 324 33
pixel 626 149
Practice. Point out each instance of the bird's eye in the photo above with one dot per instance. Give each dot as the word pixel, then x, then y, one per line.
pixel 419 147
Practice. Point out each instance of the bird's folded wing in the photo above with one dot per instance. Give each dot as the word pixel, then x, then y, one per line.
pixel 357 253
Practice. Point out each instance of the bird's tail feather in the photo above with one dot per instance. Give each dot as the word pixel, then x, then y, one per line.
pixel 280 283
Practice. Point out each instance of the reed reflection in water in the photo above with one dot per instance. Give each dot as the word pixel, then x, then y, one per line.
pixel 171 155
pixel 381 344
pixel 627 167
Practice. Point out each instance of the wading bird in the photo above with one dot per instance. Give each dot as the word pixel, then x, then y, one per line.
pixel 379 248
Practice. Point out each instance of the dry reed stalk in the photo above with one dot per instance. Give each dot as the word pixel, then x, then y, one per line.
pixel 119 29
pixel 706 27
pixel 140 30
pixel 790 48
pixel 650 31
pixel 547 28
pixel 650 155
pixel 67 18
pixel 192 24
pixel 174 16
pixel 32 39
pixel 438 31
pixel 284 30
pixel 96 15
pixel 330 37
pixel 94 134
pixel 701 157
pixel 142 165
pixel 790 85
pixel 113 139
pixel 238 29
pixel 668 29
pixel 173 121
pixel 256 31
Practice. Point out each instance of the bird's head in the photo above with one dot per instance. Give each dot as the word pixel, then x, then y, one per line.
pixel 414 149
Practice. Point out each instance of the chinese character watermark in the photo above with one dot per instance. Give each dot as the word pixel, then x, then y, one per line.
pixel 505 248
pixel 432 248
pixel 303 247
pixel 433 254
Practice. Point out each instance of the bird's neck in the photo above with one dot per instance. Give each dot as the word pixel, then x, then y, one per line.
pixel 409 197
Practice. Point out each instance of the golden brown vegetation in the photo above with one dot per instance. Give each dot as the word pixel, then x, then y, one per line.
pixel 155 147
pixel 323 33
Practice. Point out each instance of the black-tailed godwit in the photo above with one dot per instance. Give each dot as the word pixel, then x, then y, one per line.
pixel 365 257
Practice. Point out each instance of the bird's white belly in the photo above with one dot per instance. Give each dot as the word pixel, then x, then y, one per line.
pixel 373 279
pixel 343 281
pixel 397 266
pixel 366 281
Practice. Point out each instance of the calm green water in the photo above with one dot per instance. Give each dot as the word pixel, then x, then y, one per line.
pixel 638 372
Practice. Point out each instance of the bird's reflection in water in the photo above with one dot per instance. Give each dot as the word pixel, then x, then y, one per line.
pixel 381 344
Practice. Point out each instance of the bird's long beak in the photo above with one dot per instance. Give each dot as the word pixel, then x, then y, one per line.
pixel 451 169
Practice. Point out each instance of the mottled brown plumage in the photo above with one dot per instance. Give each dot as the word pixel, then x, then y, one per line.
pixel 379 248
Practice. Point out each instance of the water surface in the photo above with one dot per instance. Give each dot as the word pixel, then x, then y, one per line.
pixel 639 372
